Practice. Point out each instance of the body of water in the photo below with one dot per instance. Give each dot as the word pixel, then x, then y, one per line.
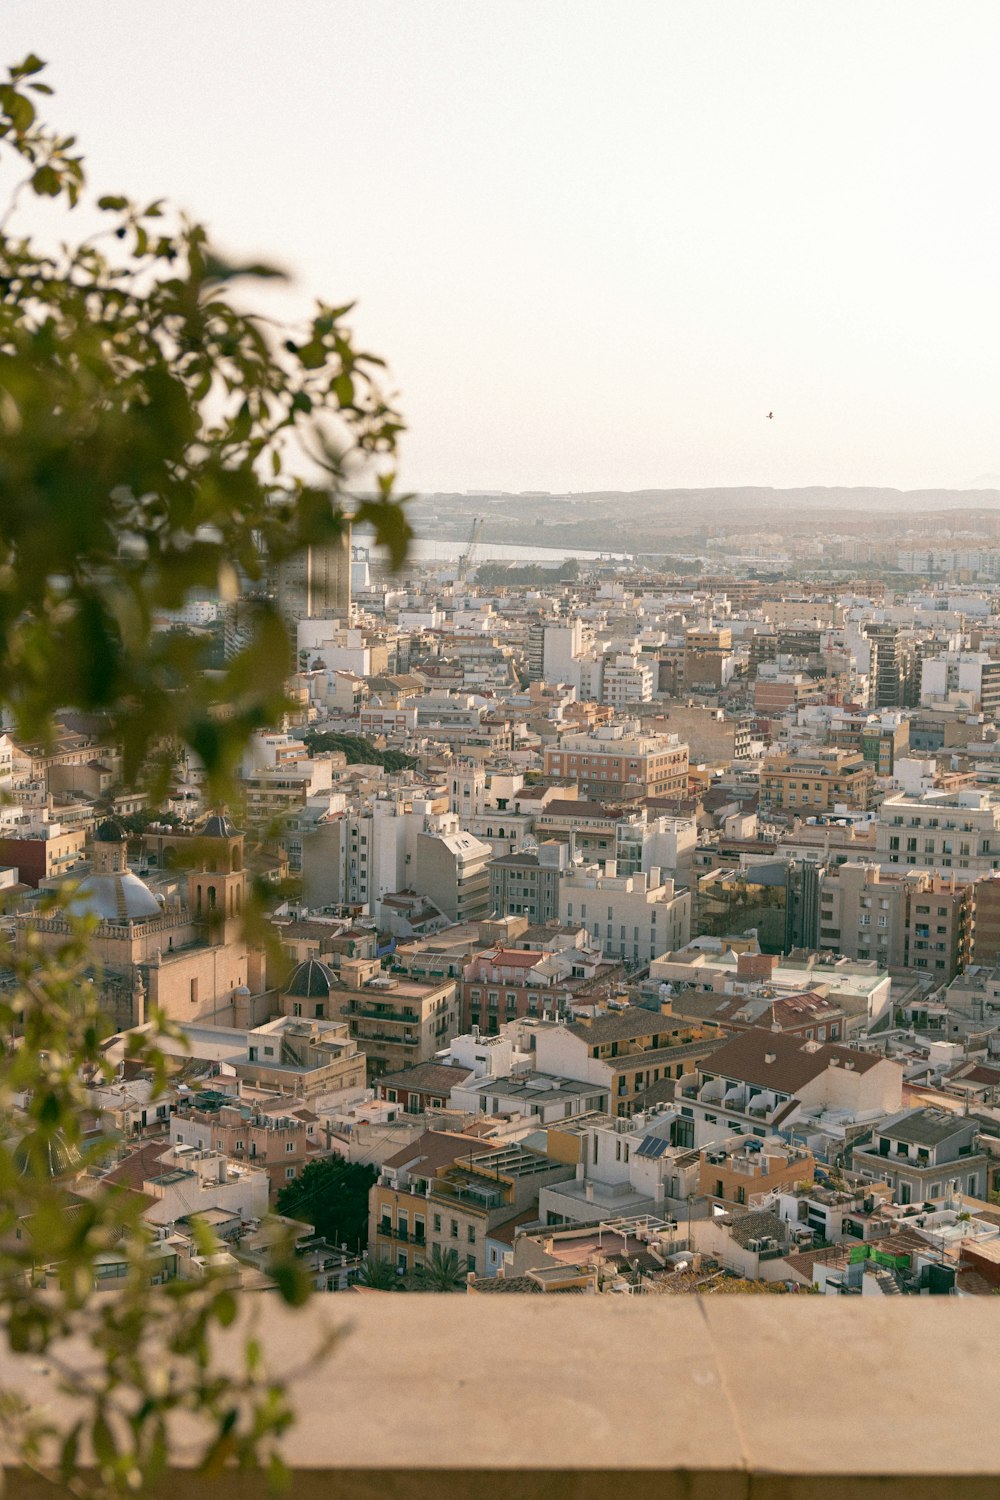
pixel 426 550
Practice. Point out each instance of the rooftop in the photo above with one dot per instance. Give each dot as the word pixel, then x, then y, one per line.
pixel 775 1059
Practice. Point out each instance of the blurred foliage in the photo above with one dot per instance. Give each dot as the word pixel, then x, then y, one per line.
pixel 153 438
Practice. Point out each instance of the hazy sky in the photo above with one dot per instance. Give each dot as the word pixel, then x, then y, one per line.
pixel 597 240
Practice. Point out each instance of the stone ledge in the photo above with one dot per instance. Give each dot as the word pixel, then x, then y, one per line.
pixel 736 1398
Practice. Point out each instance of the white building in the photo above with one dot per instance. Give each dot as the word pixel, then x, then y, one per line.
pixel 632 917
pixel 628 679
pixel 941 831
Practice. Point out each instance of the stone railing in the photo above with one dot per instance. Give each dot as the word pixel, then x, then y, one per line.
pixel 575 1398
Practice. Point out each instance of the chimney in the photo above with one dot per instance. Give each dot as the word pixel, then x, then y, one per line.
pixel 770 1057
pixel 588 1192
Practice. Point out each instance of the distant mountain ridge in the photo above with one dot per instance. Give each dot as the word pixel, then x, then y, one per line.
pixel 821 497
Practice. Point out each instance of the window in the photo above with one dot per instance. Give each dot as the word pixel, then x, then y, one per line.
pixel 437 1223
pixel 289 1147
pixel 471 1234
pixel 289 1173
pixel 454 1229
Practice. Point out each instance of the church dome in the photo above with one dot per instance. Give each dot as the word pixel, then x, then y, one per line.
pixel 52 1155
pixel 217 826
pixel 116 897
pixel 311 980
pixel 110 832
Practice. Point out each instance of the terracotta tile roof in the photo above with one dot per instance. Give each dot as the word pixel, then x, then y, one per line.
pixel 794 1062
pixel 506 1231
pixel 620 1025
pixel 437 1077
pixel 561 807
pixel 515 958
pixel 434 1149
pixel 139 1166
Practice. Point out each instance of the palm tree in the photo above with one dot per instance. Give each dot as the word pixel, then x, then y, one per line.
pixel 381 1276
pixel 445 1271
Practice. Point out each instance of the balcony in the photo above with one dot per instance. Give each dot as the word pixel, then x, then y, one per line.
pixel 728 1431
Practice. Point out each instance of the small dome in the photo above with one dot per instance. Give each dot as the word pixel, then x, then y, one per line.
pixel 311 980
pixel 52 1155
pixel 217 826
pixel 110 832
pixel 117 897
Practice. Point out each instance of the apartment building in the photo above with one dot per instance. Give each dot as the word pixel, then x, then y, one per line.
pixel 281 1141
pixel 967 676
pixel 745 1171
pixel 527 883
pixel 628 1052
pixel 453 870
pixel 448 1191
pixel 894 668
pixel 941 831
pixel 816 783
pixel 881 738
pixel 708 657
pixel 628 679
pixel 41 851
pixel 709 734
pixel 507 983
pixel 926 1155
pixel 760 1082
pixel 905 920
pixel 393 1019
pixel 633 917
pixel 618 760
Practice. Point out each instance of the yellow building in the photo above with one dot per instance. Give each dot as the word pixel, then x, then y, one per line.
pixel 810 784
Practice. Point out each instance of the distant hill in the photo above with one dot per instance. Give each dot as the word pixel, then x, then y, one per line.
pixel 984 494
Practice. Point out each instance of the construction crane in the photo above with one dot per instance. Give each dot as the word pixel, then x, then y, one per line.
pixel 465 561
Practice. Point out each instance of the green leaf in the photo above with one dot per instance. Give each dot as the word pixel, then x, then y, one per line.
pixel 291 1282
pixel 46 182
pixel 105 1447
pixel 279 1475
pixel 112 202
pixel 225 1308
pixel 343 389
pixel 69 1452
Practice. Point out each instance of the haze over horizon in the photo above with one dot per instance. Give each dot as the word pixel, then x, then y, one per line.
pixel 596 244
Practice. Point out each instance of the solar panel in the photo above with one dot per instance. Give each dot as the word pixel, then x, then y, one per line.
pixel 652 1145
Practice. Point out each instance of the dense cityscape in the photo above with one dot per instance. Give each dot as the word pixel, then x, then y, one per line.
pixel 499 751
pixel 629 932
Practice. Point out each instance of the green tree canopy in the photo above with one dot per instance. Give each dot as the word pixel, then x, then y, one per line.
pixel 358 750
pixel 332 1196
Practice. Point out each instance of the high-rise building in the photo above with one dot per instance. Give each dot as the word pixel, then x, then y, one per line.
pixel 894 670
pixel 315 584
